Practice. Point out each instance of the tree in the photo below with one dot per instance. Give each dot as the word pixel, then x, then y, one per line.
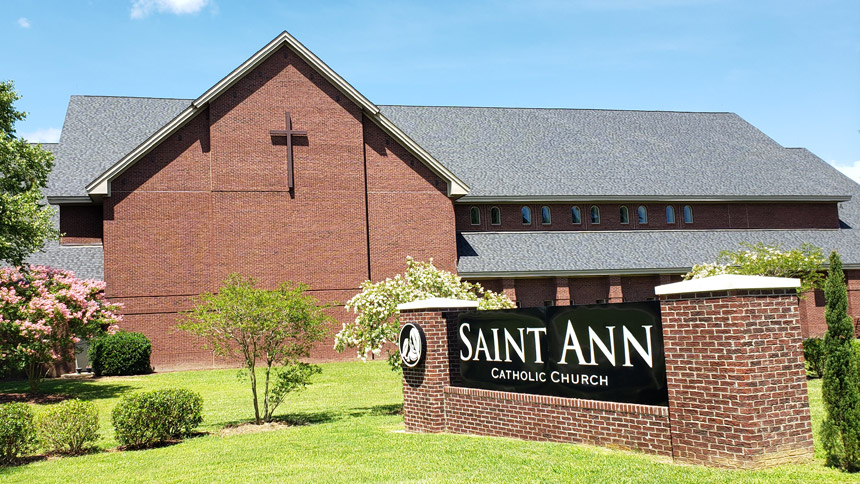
pixel 277 327
pixel 760 259
pixel 43 312
pixel 841 385
pixel 25 222
pixel 378 321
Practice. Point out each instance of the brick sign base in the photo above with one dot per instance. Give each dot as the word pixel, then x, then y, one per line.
pixel 737 386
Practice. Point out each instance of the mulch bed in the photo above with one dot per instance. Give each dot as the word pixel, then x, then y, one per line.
pixel 27 398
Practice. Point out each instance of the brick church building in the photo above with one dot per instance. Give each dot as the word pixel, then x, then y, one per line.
pixel 284 171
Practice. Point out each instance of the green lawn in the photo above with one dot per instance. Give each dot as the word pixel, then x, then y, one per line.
pixel 348 429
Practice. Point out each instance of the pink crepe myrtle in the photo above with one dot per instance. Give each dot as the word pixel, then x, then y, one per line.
pixel 44 312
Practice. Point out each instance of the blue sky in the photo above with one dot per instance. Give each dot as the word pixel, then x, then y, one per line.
pixel 791 68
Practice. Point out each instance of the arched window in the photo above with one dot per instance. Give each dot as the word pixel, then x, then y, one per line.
pixel 595 214
pixel 670 214
pixel 688 214
pixel 642 212
pixel 575 215
pixel 495 216
pixel 625 215
pixel 475 215
pixel 545 215
pixel 527 216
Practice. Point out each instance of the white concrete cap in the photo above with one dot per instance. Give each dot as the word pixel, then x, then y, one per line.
pixel 437 303
pixel 726 282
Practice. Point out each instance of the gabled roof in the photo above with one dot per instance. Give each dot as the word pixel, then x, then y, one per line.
pixel 514 154
pixel 98 131
pixel 101 185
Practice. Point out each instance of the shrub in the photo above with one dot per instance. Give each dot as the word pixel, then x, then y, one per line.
pixel 121 353
pixel 17 433
pixel 68 427
pixel 813 353
pixel 144 419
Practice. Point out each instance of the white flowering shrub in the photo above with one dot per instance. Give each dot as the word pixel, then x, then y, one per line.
pixel 760 259
pixel 378 321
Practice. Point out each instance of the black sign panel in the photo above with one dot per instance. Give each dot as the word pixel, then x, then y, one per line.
pixel 609 352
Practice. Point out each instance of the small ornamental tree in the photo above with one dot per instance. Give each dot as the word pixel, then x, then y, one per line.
pixel 378 320
pixel 43 313
pixel 760 259
pixel 841 385
pixel 276 327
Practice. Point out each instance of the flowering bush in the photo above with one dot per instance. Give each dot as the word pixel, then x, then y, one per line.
pixel 43 312
pixel 760 259
pixel 376 305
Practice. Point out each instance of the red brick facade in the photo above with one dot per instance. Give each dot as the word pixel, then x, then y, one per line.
pixel 737 388
pixel 737 385
pixel 213 199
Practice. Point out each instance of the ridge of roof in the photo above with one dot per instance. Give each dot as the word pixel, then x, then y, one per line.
pixel 671 111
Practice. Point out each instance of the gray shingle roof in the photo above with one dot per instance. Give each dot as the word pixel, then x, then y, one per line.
pixel 99 131
pixel 584 152
pixel 87 262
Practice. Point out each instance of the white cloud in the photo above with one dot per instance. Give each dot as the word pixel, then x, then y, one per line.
pixel 47 135
pixel 852 170
pixel 24 23
pixel 143 8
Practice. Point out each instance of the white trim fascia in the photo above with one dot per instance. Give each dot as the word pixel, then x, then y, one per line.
pixel 101 185
pixel 305 54
pixel 563 273
pixel 650 198
pixel 456 187
pixel 69 200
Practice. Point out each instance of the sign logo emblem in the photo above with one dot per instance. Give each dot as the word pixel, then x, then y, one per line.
pixel 412 344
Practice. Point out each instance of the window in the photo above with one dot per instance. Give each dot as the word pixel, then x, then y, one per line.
pixel 495 216
pixel 548 303
pixel 527 216
pixel 575 215
pixel 475 215
pixel 688 214
pixel 571 301
pixel 642 212
pixel 625 216
pixel 670 214
pixel 545 215
pixel 595 214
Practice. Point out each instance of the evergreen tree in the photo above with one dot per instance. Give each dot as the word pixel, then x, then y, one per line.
pixel 841 385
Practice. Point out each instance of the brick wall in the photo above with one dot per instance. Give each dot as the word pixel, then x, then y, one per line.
pixel 737 386
pixel 705 216
pixel 81 224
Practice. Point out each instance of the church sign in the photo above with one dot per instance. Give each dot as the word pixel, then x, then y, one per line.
pixel 609 352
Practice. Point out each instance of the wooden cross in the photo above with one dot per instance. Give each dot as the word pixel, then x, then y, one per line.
pixel 289 133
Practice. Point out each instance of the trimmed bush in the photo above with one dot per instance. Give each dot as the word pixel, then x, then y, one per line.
pixel 144 419
pixel 68 427
pixel 17 432
pixel 122 353
pixel 813 353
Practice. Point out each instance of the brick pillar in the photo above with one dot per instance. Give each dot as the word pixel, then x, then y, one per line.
pixel 509 289
pixel 734 367
pixel 615 293
pixel 424 384
pixel 562 292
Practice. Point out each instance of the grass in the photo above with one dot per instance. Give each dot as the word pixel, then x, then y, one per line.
pixel 346 428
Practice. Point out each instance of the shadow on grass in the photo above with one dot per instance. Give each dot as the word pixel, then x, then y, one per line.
pixel 161 443
pixel 377 410
pixel 292 419
pixel 59 389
